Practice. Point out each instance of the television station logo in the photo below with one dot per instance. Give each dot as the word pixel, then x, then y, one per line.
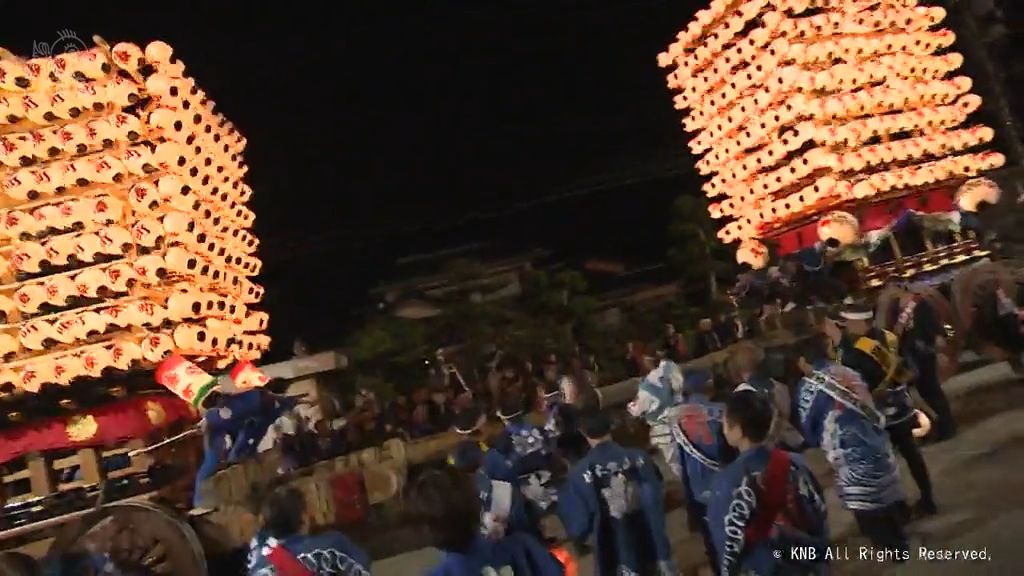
pixel 65 41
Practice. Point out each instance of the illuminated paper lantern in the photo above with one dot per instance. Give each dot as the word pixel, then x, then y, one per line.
pixel 798 106
pixel 121 185
pixel 245 376
pixel 186 380
pixel 977 191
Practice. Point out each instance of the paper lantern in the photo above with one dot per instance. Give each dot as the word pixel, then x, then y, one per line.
pixel 797 106
pixel 838 229
pixel 977 191
pixel 121 185
pixel 753 254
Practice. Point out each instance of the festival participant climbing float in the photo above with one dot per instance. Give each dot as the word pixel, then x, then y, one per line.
pixel 874 354
pixel 838 415
pixel 521 453
pixel 764 502
pixel 613 500
pixel 702 450
pixel 233 423
pixel 443 500
pixel 283 546
pixel 656 401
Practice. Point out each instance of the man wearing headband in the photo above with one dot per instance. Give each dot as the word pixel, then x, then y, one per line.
pixel 698 433
pixel 874 354
pixel 521 454
pixel 504 510
pixel 838 414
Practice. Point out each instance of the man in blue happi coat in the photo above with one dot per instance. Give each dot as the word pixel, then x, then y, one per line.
pixel 656 401
pixel 838 415
pixel 233 427
pixel 504 509
pixel 700 437
pixel 613 500
pixel 766 502
pixel 875 355
pixel 284 548
pixel 521 454
pixel 442 500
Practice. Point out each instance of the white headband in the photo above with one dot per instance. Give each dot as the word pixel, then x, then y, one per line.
pixel 868 315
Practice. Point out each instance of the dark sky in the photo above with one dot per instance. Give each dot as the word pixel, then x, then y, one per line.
pixel 378 129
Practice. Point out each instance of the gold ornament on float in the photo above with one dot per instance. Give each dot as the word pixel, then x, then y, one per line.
pixel 156 413
pixel 81 428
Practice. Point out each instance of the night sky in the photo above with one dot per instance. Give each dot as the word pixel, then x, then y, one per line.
pixel 379 129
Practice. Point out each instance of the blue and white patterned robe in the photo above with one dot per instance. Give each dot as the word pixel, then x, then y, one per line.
pixel 613 496
pixel 325 554
pixel 734 505
pixel 838 415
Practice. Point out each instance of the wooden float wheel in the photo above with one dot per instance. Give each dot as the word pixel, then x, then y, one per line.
pixel 144 538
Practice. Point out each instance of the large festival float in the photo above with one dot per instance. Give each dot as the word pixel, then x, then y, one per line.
pixel 839 141
pixel 126 266
pixel 124 240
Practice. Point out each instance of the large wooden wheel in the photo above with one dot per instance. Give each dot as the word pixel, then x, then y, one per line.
pixel 143 538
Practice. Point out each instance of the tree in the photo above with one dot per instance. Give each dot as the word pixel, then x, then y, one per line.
pixel 696 253
pixel 388 354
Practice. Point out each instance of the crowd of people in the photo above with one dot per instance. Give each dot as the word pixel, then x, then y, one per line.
pixel 733 439
pixel 366 421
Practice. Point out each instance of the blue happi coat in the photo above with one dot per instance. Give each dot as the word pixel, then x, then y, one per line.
pixel 522 456
pixel 523 517
pixel 838 415
pixel 516 554
pixel 613 498
pixel 521 449
pixel 328 553
pixel 698 432
pixel 733 506
pixel 240 421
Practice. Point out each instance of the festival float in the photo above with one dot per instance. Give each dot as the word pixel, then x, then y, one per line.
pixel 839 135
pixel 124 239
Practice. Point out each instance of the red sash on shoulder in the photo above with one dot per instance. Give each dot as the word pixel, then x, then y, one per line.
pixel 771 499
pixel 285 563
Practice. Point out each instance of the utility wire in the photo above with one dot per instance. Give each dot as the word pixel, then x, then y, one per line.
pixel 286 249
